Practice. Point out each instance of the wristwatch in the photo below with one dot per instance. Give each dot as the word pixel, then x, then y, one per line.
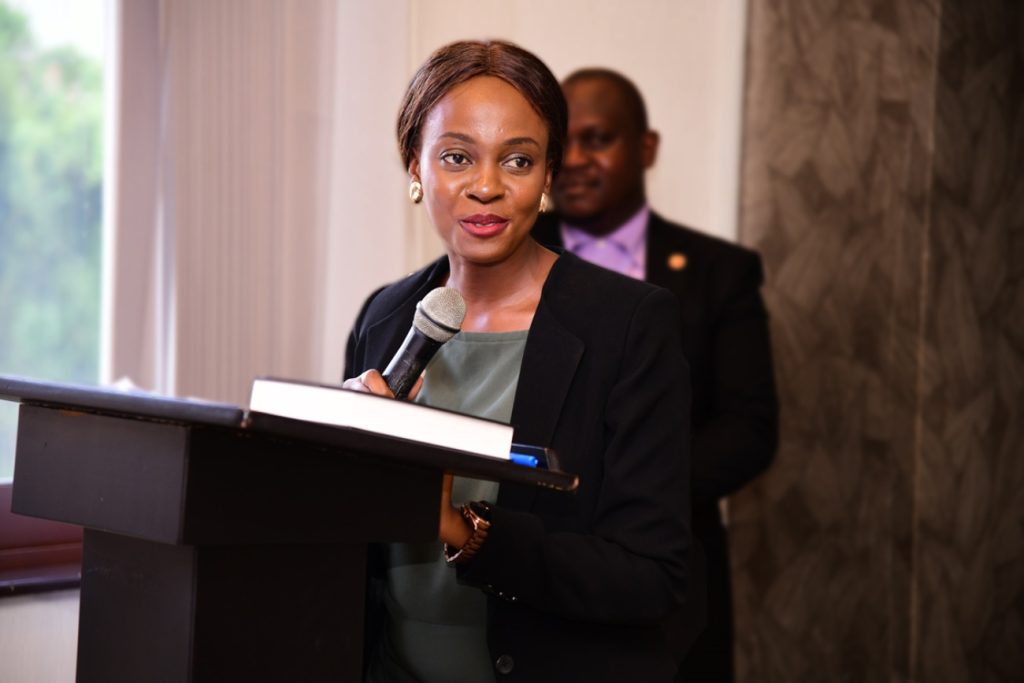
pixel 478 514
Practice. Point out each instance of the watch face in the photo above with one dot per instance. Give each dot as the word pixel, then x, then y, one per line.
pixel 482 508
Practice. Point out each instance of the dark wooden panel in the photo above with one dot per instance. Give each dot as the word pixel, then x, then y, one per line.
pixel 136 613
pixel 180 614
pixel 280 613
pixel 248 489
pixel 111 473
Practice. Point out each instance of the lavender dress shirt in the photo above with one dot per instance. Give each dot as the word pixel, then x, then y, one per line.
pixel 624 250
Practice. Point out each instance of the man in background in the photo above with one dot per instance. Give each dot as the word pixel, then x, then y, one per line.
pixel 603 217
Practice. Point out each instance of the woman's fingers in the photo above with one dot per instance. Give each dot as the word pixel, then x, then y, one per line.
pixel 370 382
pixel 446 489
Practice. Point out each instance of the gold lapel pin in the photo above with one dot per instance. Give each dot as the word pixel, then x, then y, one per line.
pixel 677 261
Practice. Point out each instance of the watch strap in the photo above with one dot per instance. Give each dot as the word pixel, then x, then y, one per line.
pixel 478 516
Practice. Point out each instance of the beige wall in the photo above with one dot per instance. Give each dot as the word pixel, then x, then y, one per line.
pixel 38 635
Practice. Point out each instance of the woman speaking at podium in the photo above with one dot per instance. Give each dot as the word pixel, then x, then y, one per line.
pixel 525 584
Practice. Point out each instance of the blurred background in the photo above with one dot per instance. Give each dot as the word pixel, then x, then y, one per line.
pixel 196 192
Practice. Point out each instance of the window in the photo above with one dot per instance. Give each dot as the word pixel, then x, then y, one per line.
pixel 51 105
pixel 51 161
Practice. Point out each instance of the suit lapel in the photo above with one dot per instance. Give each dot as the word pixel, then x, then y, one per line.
pixel 552 355
pixel 549 364
pixel 385 336
pixel 665 251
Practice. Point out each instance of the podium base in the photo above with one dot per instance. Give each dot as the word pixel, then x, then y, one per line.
pixel 186 614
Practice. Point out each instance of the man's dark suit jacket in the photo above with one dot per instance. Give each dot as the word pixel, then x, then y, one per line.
pixel 735 411
pixel 578 584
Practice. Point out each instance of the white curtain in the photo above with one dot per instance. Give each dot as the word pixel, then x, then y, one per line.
pixel 254 180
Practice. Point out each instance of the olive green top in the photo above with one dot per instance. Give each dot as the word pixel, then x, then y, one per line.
pixel 437 629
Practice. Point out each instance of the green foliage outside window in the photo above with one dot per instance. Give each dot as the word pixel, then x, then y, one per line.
pixel 50 213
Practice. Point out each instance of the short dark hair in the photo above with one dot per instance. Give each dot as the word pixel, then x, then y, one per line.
pixel 458 62
pixel 630 93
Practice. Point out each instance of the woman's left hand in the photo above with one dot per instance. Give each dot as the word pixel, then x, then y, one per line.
pixel 453 529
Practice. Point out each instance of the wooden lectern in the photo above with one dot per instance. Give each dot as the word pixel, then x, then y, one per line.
pixel 218 548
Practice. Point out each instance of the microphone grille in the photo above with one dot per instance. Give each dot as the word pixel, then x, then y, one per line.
pixel 439 315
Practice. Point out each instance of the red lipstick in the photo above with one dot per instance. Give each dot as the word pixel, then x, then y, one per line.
pixel 483 224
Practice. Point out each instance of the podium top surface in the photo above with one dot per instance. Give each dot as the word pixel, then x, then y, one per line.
pixel 196 412
pixel 106 399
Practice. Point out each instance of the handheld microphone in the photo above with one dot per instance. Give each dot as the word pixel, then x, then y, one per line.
pixel 438 318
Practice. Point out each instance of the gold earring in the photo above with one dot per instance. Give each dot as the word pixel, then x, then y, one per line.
pixel 416 191
pixel 545 203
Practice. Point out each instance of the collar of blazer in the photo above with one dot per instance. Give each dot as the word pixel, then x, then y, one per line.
pixel 550 360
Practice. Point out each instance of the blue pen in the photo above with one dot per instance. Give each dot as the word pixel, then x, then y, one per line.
pixel 522 459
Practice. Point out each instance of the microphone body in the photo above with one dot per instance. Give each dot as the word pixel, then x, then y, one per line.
pixel 409 361
pixel 437 319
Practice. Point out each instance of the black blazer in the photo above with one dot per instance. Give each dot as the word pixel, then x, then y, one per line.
pixel 724 330
pixel 579 584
